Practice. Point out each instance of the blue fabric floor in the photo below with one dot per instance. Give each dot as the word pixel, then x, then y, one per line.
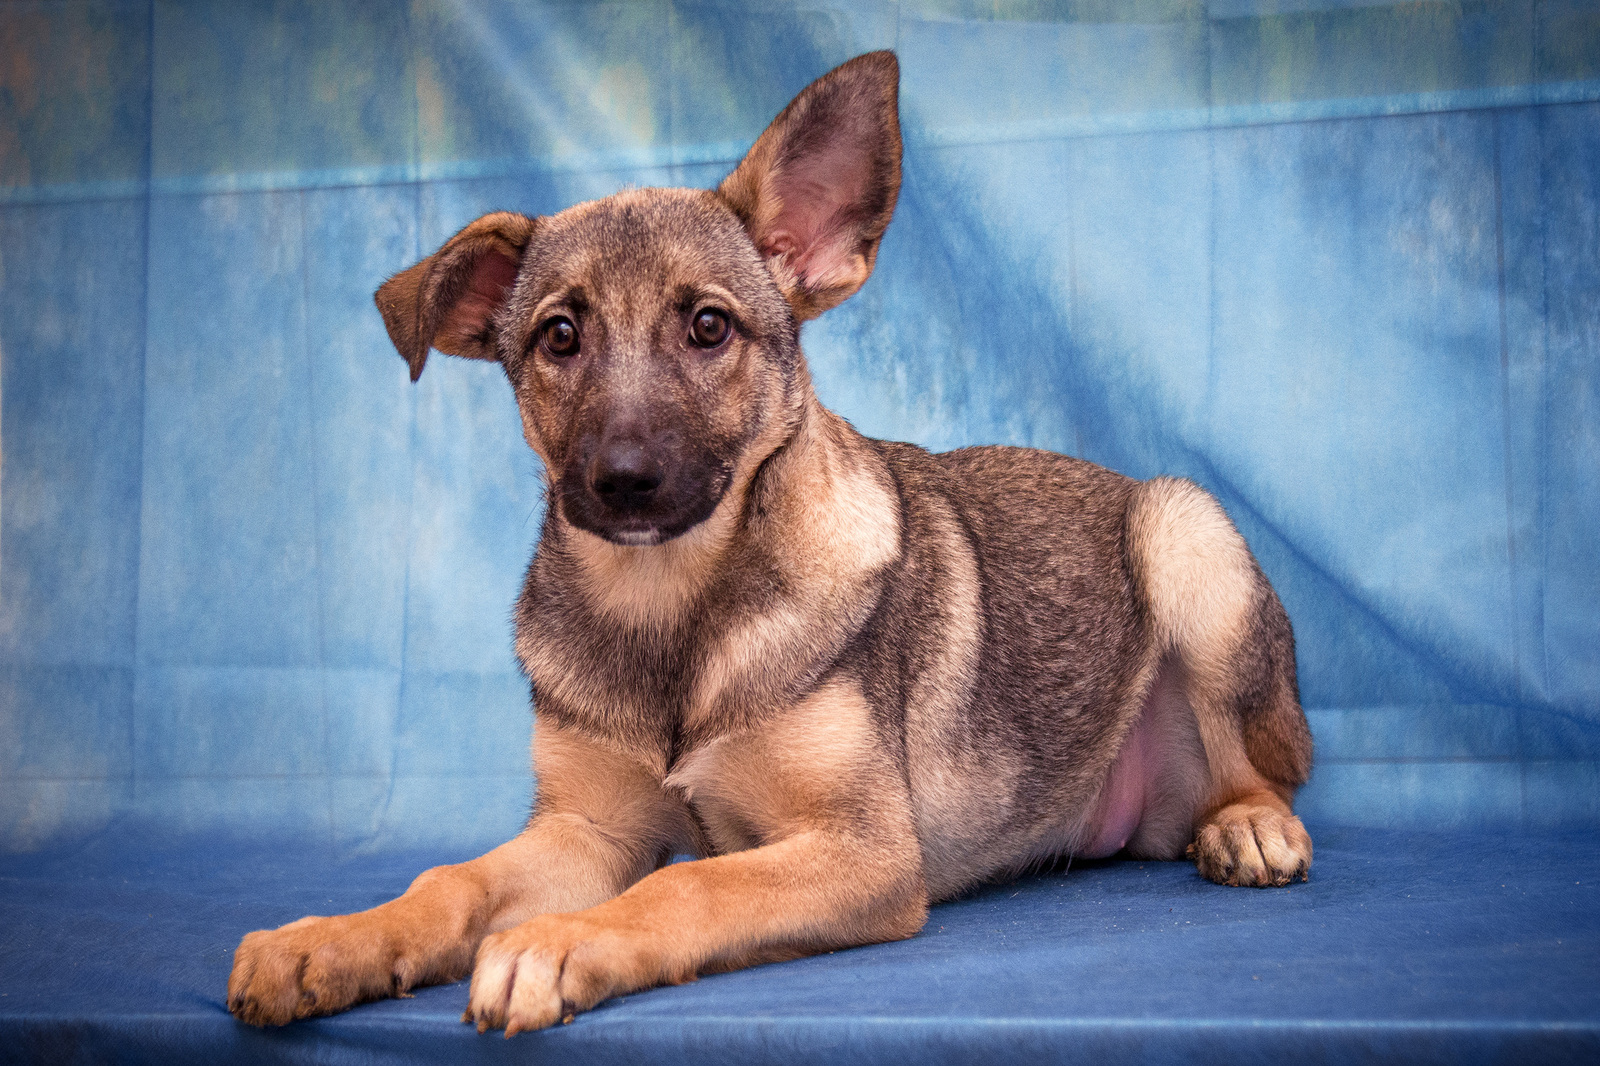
pixel 1403 946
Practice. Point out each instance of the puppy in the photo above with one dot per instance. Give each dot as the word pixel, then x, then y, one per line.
pixel 854 677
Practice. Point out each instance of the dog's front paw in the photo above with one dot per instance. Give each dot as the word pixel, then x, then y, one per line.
pixel 1252 844
pixel 548 969
pixel 316 966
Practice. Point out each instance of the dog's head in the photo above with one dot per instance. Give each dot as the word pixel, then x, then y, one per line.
pixel 652 337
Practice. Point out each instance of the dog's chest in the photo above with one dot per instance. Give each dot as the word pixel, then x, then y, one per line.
pixel 821 758
pixel 614 686
pixel 672 689
pixel 648 689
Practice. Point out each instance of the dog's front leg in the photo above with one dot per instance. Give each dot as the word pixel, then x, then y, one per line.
pixel 817 890
pixel 839 865
pixel 602 823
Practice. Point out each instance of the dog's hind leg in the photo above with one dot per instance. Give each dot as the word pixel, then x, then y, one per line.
pixel 1211 607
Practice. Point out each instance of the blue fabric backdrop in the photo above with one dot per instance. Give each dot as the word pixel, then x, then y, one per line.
pixel 1337 261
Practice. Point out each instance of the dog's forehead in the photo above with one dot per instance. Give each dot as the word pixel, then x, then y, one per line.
pixel 644 240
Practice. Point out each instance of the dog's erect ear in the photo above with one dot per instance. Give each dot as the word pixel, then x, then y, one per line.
pixel 449 300
pixel 817 190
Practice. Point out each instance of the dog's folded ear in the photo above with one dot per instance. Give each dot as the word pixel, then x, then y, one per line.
pixel 449 300
pixel 818 188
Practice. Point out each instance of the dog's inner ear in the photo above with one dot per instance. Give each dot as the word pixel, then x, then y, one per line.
pixel 449 300
pixel 818 188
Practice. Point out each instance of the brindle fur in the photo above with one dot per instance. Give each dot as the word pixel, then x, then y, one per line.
pixel 854 677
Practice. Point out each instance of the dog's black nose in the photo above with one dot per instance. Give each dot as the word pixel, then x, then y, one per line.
pixel 624 476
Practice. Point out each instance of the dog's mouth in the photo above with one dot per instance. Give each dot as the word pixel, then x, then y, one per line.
pixel 637 538
pixel 684 499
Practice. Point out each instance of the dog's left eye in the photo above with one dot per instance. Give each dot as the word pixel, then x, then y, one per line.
pixel 710 327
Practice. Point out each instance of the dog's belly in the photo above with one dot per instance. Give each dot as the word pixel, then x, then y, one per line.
pixel 1153 789
pixel 1120 809
pixel 974 825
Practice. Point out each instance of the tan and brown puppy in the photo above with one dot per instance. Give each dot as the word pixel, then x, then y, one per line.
pixel 854 677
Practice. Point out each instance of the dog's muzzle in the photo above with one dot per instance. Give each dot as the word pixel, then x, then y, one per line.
pixel 635 491
pixel 624 477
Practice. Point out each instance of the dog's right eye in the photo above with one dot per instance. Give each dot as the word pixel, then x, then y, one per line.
pixel 560 337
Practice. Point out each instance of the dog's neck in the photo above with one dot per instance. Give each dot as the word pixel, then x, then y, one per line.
pixel 807 489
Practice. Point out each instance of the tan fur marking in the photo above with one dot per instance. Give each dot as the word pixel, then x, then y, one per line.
pixel 1197 579
pixel 615 789
pixel 530 434
pixel 808 893
pixel 603 822
pixel 787 774
pixel 843 514
pixel 1195 568
pixel 839 525
pixel 961 794
pixel 841 868
pixel 653 584
pixel 763 640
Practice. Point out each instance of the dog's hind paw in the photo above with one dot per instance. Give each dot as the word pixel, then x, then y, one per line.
pixel 1253 844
